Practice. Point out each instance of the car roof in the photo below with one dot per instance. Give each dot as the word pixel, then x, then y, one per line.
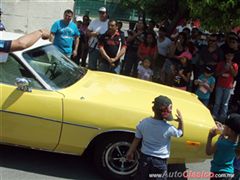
pixel 12 36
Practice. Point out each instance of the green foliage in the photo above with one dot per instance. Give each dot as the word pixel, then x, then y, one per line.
pixel 214 14
pixel 153 8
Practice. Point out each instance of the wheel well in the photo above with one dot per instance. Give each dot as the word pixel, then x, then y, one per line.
pixel 104 135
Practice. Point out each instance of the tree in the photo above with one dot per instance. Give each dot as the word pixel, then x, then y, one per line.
pixel 160 9
pixel 153 8
pixel 214 14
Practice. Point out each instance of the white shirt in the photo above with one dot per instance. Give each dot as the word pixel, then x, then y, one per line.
pixel 163 46
pixel 97 26
pixel 145 74
pixel 156 136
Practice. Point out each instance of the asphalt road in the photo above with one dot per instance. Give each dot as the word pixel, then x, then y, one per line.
pixel 25 164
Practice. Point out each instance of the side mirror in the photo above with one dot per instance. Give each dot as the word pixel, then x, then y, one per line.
pixel 23 85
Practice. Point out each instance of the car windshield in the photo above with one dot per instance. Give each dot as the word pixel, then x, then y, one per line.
pixel 54 68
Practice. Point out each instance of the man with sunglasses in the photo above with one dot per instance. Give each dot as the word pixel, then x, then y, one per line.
pixel 96 28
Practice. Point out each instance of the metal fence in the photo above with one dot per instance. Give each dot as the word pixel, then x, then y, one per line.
pixel 115 11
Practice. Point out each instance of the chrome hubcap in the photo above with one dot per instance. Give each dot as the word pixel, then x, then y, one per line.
pixel 115 159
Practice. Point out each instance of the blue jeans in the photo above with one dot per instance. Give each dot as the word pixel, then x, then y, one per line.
pixel 149 165
pixel 204 101
pixel 93 59
pixel 220 107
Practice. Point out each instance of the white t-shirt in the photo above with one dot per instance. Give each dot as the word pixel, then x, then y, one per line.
pixel 163 46
pixel 145 74
pixel 97 26
pixel 156 136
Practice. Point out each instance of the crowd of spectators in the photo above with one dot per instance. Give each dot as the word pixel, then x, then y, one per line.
pixel 188 59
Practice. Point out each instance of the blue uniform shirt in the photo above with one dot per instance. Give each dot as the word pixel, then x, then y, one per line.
pixel 5 46
pixel 224 156
pixel 64 36
pixel 156 136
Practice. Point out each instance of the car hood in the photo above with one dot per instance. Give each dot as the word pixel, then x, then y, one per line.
pixel 136 95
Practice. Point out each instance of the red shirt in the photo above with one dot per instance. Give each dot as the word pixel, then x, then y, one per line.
pixel 225 80
pixel 146 51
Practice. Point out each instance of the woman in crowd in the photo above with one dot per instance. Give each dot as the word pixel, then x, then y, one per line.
pixel 148 48
pixel 177 48
pixel 135 38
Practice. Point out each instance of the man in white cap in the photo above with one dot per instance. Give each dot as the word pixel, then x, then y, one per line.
pixel 96 28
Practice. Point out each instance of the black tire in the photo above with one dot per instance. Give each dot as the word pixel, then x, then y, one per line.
pixel 109 157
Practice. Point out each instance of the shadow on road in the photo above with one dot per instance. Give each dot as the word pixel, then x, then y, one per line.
pixel 54 164
pixel 46 163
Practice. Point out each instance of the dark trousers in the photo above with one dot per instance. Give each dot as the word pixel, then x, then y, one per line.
pixel 151 168
pixel 107 68
pixel 130 64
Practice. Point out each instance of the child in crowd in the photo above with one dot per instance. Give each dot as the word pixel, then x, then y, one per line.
pixel 205 85
pixel 226 71
pixel 224 150
pixel 183 71
pixel 155 134
pixel 144 70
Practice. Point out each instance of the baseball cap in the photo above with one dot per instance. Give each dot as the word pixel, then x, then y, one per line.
pixel 233 122
pixel 186 55
pixel 102 9
pixel 164 101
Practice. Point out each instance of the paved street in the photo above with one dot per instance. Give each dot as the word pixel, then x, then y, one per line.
pixel 23 164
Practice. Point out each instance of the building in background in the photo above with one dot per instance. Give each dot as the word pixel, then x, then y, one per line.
pixel 24 16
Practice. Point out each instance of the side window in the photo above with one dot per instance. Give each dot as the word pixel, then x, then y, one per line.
pixel 12 69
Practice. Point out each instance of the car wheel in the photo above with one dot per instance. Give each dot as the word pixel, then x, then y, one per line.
pixel 110 157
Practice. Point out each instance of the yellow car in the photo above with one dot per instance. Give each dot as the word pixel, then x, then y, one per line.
pixel 49 103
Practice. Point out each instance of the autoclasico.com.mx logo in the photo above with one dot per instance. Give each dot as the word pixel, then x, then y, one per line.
pixel 191 174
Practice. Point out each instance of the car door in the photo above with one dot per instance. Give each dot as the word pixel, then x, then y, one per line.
pixel 33 118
